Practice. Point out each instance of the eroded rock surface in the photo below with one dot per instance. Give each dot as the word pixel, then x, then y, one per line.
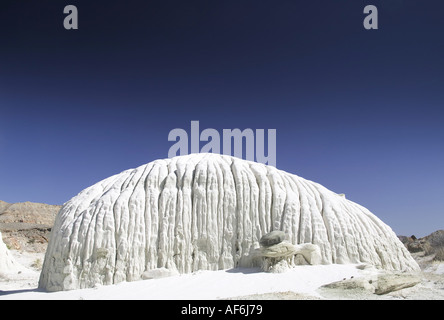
pixel 205 212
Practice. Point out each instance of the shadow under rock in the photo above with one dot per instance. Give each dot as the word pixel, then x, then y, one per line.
pixel 245 270
pixel 7 292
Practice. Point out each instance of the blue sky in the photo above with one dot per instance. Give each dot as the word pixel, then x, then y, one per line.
pixel 359 111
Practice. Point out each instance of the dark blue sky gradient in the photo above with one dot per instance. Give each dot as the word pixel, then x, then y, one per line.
pixel 358 111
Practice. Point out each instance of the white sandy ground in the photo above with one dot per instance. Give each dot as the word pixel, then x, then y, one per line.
pixel 302 282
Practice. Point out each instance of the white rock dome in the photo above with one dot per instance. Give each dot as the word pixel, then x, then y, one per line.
pixel 205 212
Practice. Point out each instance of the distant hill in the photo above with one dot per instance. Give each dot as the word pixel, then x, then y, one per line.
pixel 26 225
pixel 433 244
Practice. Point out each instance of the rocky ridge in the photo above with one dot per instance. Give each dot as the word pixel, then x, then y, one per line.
pixel 26 225
pixel 431 246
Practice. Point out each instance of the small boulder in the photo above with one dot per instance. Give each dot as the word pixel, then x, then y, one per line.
pixel 379 284
pixel 361 283
pixel 272 238
pixel 394 281
pixel 158 273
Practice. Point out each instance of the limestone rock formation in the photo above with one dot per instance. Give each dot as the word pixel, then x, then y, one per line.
pixel 277 255
pixel 7 262
pixel 205 211
pixel 283 255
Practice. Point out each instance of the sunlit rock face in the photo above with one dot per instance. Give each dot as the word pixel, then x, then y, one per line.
pixel 205 212
pixel 8 265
